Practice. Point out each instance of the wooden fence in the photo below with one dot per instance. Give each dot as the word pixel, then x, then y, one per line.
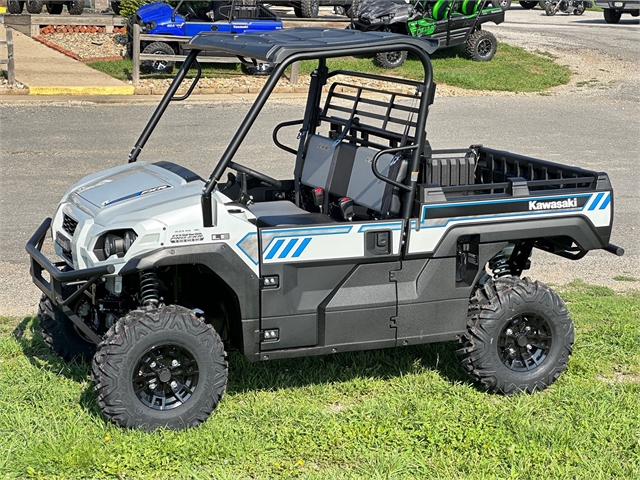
pixel 11 73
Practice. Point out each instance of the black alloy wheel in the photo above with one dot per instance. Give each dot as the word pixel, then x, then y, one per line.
pixel 525 342
pixel 165 377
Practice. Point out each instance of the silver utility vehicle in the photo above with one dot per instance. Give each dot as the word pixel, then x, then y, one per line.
pixel 376 241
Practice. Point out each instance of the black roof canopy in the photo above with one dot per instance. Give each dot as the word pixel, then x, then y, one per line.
pixel 277 46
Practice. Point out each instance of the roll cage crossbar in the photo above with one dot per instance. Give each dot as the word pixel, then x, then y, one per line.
pixel 425 88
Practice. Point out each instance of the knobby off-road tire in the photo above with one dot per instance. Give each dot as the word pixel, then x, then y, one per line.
pixel 34 7
pixel 481 46
pixel 519 336
pixel 391 59
pixel 309 8
pixel 59 333
pixel 160 368
pixel 15 7
pixel 54 8
pixel 611 16
pixel 76 7
pixel 158 66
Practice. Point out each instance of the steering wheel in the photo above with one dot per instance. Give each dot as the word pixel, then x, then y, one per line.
pixel 260 176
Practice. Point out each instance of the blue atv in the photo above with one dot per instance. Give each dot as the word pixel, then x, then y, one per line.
pixel 184 21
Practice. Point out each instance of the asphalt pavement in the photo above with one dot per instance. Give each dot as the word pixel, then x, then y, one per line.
pixel 47 146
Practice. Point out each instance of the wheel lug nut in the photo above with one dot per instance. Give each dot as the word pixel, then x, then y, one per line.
pixel 529 347
pixel 153 364
pixel 174 384
pixel 175 363
pixel 511 351
pixel 152 386
pixel 509 332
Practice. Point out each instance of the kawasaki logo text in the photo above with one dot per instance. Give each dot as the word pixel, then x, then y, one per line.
pixel 569 203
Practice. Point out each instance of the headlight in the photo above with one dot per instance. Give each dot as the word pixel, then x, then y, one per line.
pixel 114 243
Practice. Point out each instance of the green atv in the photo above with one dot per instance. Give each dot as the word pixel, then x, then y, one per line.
pixel 452 22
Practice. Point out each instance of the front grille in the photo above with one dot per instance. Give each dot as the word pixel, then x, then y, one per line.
pixel 69 224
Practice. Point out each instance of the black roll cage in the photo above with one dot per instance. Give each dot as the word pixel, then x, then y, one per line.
pixel 426 89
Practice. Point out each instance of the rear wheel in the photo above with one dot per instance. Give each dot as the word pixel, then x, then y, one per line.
pixel 15 7
pixel 158 66
pixel 54 8
pixel 528 5
pixel 481 46
pixel 34 7
pixel 611 16
pixel 519 336
pixel 309 8
pixel 76 7
pixel 391 59
pixel 579 9
pixel 159 368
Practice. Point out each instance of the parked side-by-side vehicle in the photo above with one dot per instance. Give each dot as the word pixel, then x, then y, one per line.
pixel 375 240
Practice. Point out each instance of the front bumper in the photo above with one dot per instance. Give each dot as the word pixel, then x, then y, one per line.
pixel 59 278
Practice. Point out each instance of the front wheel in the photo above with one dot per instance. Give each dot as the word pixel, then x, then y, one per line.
pixel 482 46
pixel 159 368
pixel 519 336
pixel 611 16
pixel 391 59
pixel 550 9
pixel 15 7
pixel 60 333
pixel 579 9
pixel 503 4
pixel 158 66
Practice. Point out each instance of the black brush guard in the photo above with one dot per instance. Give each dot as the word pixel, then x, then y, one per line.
pixel 59 278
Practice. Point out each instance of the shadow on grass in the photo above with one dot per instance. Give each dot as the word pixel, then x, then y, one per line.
pixel 245 376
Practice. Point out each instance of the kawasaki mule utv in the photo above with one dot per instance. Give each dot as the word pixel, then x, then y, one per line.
pixel 376 241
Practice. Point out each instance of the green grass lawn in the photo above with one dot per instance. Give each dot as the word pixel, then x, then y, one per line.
pixel 512 69
pixel 398 413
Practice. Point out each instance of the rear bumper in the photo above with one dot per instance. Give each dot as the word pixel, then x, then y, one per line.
pixel 58 277
pixel 621 6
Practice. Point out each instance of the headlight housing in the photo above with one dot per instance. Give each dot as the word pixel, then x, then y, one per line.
pixel 116 242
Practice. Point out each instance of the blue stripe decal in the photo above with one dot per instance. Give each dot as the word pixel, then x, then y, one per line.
pixel 288 248
pixel 605 204
pixel 301 248
pixel 388 226
pixel 274 250
pixel 239 245
pixel 489 202
pixel 594 204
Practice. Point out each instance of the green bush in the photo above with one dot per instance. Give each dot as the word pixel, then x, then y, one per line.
pixel 129 7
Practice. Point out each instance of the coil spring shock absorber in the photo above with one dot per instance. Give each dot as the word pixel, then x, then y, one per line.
pixel 499 264
pixel 149 294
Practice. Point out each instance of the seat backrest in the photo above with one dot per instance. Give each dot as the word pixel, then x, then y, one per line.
pixel 317 161
pixel 468 7
pixel 367 190
pixel 440 10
